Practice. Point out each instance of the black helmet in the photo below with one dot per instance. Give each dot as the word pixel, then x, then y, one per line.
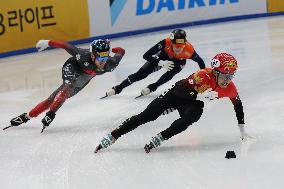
pixel 178 36
pixel 100 45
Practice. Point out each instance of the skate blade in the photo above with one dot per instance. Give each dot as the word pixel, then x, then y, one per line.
pixel 139 96
pixel 43 128
pixel 104 97
pixel 99 147
pixel 8 127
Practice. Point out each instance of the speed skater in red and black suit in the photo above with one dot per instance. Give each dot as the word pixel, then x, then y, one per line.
pixel 77 71
pixel 187 96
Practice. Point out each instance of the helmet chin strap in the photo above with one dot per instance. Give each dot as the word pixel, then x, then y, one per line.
pixel 93 57
pixel 216 75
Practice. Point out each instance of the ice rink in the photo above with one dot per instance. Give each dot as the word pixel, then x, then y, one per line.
pixel 62 157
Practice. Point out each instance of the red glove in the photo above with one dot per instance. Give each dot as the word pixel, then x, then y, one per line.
pixel 118 50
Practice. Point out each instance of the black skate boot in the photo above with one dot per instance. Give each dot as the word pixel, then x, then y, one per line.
pixel 23 118
pixel 48 118
pixel 152 87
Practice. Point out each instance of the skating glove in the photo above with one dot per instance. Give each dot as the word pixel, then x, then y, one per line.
pixel 244 134
pixel 207 95
pixel 117 50
pixel 42 45
pixel 168 65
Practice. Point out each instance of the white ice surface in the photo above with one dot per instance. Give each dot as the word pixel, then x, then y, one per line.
pixel 62 157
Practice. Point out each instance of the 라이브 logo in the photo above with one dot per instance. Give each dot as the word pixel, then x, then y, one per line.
pixel 116 7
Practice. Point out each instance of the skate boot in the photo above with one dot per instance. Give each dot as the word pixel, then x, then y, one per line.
pixel 155 142
pixel 152 87
pixel 105 142
pixel 20 119
pixel 118 88
pixel 147 90
pixel 23 118
pixel 113 91
pixel 48 118
pixel 144 92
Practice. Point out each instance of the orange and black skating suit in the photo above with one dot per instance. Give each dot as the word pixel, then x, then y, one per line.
pixel 162 51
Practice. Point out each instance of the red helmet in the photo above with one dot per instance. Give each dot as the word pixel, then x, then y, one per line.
pixel 224 63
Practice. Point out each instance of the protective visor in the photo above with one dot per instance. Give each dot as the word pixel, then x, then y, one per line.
pixel 226 76
pixel 178 46
pixel 179 41
pixel 102 59
pixel 102 56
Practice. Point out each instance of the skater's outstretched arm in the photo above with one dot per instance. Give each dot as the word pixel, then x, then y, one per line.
pixel 113 62
pixel 195 57
pixel 238 107
pixel 71 49
pixel 149 55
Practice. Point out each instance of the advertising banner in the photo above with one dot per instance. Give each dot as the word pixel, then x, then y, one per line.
pixel 114 16
pixel 275 6
pixel 22 23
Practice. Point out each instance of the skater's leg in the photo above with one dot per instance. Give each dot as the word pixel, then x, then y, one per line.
pixel 189 113
pixel 142 73
pixel 164 78
pixel 151 113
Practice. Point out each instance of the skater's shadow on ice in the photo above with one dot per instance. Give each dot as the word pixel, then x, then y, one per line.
pixel 243 147
pixel 181 148
pixel 201 147
pixel 128 97
pixel 224 145
pixel 65 129
pixel 125 150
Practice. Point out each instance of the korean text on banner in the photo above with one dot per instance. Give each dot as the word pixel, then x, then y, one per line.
pixel 22 23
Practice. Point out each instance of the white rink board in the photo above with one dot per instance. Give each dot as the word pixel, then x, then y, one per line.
pixel 132 15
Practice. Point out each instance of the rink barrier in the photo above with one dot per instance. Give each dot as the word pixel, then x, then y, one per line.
pixel 149 30
pixel 275 6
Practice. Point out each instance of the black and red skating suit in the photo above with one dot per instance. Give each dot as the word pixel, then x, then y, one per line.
pixel 77 72
pixel 203 80
pixel 182 97
pixel 82 58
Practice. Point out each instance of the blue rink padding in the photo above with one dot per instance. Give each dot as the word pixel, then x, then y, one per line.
pixel 149 30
